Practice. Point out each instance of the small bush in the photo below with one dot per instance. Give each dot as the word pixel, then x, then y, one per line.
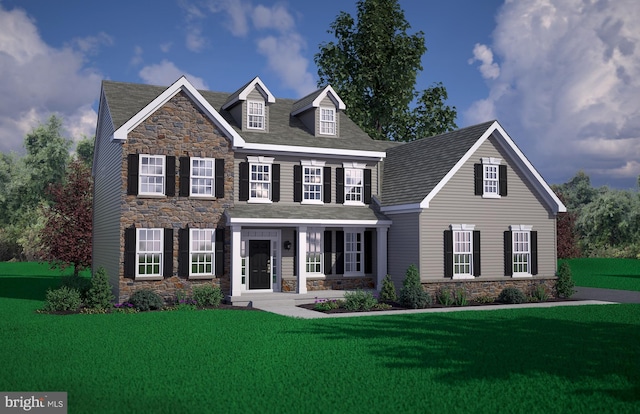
pixel 444 297
pixel 207 295
pixel 359 300
pixel 99 295
pixel 388 291
pixel 512 295
pixel 324 305
pixel 412 295
pixel 62 299
pixel 461 298
pixel 564 284
pixel 485 299
pixel 79 283
pixel 145 299
pixel 540 294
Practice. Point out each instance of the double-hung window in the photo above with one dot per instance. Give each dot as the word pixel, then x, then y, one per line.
pixel 201 252
pixel 314 251
pixel 255 115
pixel 152 174
pixel 149 252
pixel 312 181
pixel 521 252
pixel 491 178
pixel 353 185
pixel 202 177
pixel 328 121
pixel 353 252
pixel 462 253
pixel 259 181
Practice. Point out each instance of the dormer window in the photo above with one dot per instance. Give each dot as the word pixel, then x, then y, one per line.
pixel 255 115
pixel 327 121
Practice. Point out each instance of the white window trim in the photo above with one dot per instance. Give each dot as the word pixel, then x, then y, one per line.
pixel 154 276
pixel 164 176
pixel 213 177
pixel 354 166
pixel 493 162
pixel 261 160
pixel 361 251
pixel 521 228
pixel 210 275
pixel 324 124
pixel 322 252
pixel 262 116
pixel 313 164
pixel 466 228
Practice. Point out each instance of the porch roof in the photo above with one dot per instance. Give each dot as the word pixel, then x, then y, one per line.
pixel 320 215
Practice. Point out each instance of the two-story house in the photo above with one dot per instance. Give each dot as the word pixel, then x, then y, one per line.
pixel 258 194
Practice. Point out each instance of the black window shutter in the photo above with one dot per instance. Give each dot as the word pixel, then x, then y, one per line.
pixel 130 252
pixel 476 253
pixel 534 252
pixel 168 253
pixel 508 254
pixel 219 181
pixel 340 252
pixel 339 185
pixel 243 181
pixel 132 174
pixel 502 179
pixel 183 252
pixel 327 252
pixel 275 183
pixel 448 253
pixel 219 252
pixel 170 174
pixel 478 178
pixel 295 252
pixel 368 251
pixel 367 186
pixel 297 183
pixel 326 184
pixel 185 179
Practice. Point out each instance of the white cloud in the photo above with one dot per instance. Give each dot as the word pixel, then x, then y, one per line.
pixel 568 85
pixel 237 12
pixel 284 58
pixel 38 80
pixel 276 17
pixel 165 73
pixel 136 59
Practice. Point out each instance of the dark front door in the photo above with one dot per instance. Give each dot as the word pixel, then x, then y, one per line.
pixel 259 264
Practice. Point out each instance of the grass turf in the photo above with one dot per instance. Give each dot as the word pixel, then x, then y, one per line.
pixel 563 359
pixel 621 274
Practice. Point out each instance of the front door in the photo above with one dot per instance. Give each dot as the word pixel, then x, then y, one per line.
pixel 259 269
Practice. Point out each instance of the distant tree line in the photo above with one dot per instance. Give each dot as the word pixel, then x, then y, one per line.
pixel 599 222
pixel 45 199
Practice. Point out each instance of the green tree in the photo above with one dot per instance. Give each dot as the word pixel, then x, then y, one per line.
pixel 373 65
pixel 84 149
pixel 577 192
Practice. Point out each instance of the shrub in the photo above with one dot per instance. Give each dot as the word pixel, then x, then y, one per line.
pixel 327 304
pixel 359 300
pixel 512 295
pixel 540 294
pixel 79 283
pixel 484 299
pixel 564 284
pixel 207 295
pixel 145 299
pixel 444 297
pixel 183 301
pixel 461 298
pixel 412 295
pixel 388 291
pixel 99 295
pixel 62 299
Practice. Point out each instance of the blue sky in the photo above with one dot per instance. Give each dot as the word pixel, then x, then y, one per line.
pixel 562 76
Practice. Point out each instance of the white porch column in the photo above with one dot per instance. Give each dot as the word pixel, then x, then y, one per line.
pixel 236 260
pixel 381 255
pixel 302 259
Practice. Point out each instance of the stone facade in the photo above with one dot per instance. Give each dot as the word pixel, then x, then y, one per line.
pixel 347 283
pixel 179 128
pixel 492 287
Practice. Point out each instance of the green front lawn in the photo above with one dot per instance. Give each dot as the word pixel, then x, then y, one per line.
pixel 562 359
pixel 621 274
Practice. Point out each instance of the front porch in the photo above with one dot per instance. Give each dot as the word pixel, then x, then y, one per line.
pixel 260 299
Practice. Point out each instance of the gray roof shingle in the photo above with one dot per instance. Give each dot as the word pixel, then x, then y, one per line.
pixel 309 212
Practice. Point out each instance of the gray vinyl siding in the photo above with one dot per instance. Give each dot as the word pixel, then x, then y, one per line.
pixel 457 204
pixel 403 245
pixel 107 199
pixel 286 175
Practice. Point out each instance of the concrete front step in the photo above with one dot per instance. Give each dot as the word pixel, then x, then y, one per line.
pixel 257 300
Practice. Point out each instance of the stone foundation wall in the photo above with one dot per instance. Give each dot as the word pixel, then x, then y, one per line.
pixel 347 283
pixel 166 288
pixel 492 288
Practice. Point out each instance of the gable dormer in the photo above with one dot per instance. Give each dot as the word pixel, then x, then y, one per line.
pixel 320 112
pixel 249 106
